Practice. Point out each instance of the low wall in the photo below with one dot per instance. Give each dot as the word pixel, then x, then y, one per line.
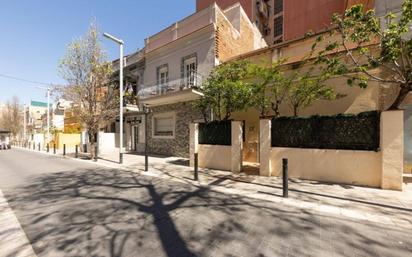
pixel 382 169
pixel 70 140
pixel 215 157
pixel 106 142
pixel 338 166
pixel 220 157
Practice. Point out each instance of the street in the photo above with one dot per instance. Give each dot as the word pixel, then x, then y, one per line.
pixel 74 208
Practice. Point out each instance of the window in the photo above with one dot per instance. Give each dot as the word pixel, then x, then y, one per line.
pixel 278 6
pixel 164 125
pixel 162 77
pixel 278 26
pixel 190 70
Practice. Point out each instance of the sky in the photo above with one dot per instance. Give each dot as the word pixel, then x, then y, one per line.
pixel 34 35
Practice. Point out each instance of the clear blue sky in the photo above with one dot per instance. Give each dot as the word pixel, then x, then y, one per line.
pixel 34 34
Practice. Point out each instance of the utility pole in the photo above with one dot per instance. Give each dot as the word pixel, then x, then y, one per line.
pixel 48 111
pixel 48 114
pixel 24 123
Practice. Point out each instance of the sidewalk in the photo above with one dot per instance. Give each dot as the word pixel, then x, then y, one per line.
pixel 13 240
pixel 353 202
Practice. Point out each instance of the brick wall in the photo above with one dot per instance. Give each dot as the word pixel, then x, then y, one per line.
pixel 229 42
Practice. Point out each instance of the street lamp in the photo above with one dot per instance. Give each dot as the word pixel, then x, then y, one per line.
pixel 121 43
pixel 146 111
pixel 48 111
pixel 24 123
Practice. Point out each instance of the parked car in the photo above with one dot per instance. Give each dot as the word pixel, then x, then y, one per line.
pixel 4 139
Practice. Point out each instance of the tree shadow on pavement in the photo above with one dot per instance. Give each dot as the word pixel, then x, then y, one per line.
pixel 116 213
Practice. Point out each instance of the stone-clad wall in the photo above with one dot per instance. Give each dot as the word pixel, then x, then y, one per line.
pixel 179 145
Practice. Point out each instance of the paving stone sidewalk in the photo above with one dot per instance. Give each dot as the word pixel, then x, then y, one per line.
pixel 361 203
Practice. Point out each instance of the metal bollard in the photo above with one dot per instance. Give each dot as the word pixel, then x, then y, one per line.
pixel 64 149
pixel 95 153
pixel 39 146
pixel 146 161
pixel 85 148
pixel 196 167
pixel 54 148
pixel 48 147
pixel 34 146
pixel 285 177
pixel 76 155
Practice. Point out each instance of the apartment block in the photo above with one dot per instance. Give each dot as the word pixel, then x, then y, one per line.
pixel 285 20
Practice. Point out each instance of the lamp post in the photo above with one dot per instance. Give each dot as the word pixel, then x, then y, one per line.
pixel 121 43
pixel 24 123
pixel 48 111
pixel 146 126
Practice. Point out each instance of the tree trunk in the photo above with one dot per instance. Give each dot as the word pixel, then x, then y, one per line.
pixel 92 141
pixel 275 108
pixel 405 89
pixel 295 111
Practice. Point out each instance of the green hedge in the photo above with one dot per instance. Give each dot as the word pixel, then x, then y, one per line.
pixel 215 133
pixel 350 132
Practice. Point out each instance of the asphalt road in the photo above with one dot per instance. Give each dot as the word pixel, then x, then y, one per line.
pixel 70 208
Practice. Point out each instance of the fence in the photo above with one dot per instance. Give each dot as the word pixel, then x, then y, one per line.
pixel 348 132
pixel 380 165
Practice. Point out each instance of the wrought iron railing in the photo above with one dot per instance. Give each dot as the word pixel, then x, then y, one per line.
pixel 158 89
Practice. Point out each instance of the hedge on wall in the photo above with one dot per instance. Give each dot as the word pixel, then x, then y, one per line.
pixel 215 133
pixel 349 132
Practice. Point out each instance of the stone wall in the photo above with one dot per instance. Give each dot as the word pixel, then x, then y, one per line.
pixel 179 145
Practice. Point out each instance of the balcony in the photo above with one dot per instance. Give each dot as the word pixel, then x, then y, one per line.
pixel 178 90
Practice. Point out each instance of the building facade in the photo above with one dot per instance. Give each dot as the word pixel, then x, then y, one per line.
pixel 166 76
pixel 285 20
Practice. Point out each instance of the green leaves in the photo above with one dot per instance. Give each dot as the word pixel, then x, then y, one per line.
pixel 226 90
pixel 370 42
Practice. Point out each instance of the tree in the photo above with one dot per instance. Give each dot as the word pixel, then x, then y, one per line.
pixel 12 116
pixel 226 90
pixel 269 88
pixel 370 45
pixel 304 89
pixel 88 76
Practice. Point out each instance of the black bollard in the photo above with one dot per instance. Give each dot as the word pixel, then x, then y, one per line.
pixel 196 166
pixel 54 148
pixel 64 149
pixel 48 147
pixel 85 148
pixel 95 153
pixel 39 146
pixel 285 177
pixel 76 155
pixel 34 146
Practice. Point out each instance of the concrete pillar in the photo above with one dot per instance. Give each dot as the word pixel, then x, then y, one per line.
pixel 392 143
pixel 236 147
pixel 193 142
pixel 265 140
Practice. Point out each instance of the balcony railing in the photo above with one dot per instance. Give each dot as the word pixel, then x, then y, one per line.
pixel 158 89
